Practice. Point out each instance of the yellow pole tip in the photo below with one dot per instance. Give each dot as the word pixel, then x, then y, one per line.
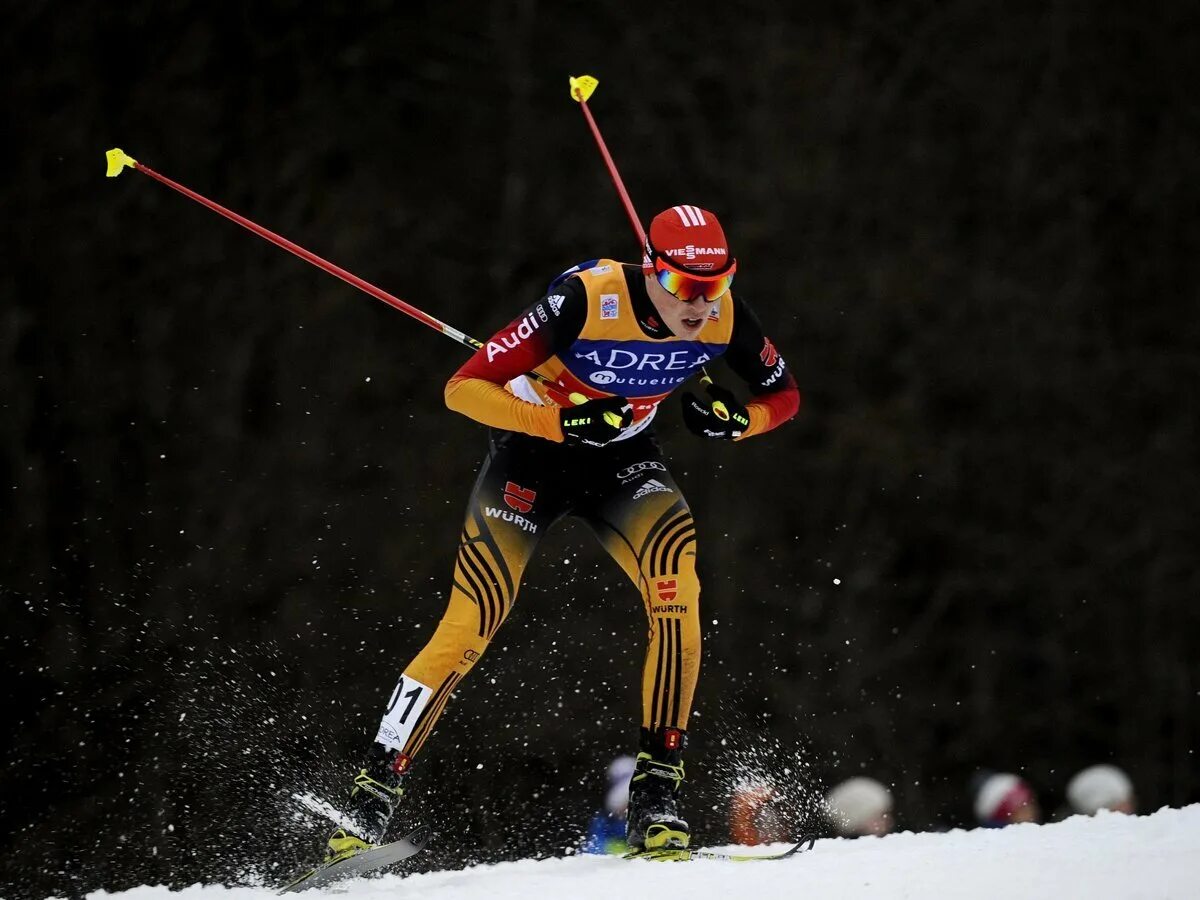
pixel 117 161
pixel 582 87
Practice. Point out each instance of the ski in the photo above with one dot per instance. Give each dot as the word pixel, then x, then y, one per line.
pixel 362 863
pixel 807 842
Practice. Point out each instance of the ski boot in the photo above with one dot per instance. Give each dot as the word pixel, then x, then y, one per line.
pixel 654 826
pixel 373 799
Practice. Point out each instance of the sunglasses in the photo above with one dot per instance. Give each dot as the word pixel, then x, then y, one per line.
pixel 687 286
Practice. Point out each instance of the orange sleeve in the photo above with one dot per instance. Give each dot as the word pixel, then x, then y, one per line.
pixel 477 389
pixel 489 403
pixel 754 358
pixel 770 410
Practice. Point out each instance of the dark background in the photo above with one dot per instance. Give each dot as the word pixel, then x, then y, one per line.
pixel 231 492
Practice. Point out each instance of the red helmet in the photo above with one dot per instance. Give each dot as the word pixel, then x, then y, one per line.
pixel 687 252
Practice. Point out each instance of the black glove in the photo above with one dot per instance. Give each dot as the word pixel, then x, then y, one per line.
pixel 595 422
pixel 720 417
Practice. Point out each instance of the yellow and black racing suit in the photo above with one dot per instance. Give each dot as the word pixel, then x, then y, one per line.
pixel 594 333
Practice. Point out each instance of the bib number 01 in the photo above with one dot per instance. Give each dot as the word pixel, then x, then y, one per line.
pixel 403 711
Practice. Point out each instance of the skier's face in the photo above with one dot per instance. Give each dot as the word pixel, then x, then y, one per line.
pixel 684 319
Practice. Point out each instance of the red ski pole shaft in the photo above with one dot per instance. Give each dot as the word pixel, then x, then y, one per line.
pixel 118 161
pixel 581 90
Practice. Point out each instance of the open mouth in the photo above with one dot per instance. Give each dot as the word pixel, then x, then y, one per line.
pixel 693 323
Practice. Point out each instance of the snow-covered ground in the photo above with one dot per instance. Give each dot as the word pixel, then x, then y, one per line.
pixel 1110 856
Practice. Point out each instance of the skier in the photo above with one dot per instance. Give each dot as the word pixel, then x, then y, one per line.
pixel 624 337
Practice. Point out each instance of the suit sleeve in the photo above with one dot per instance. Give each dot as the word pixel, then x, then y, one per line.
pixel 547 327
pixel 755 360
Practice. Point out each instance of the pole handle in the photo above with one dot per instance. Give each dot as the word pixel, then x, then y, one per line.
pixel 610 417
pixel 720 410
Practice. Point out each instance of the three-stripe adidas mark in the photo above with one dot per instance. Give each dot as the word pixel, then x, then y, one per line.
pixel 690 215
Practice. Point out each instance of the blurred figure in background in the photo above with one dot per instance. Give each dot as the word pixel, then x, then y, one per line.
pixel 606 832
pixel 1101 787
pixel 1002 798
pixel 860 806
pixel 754 816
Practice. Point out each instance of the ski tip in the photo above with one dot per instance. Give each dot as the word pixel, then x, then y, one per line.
pixel 419 836
pixel 582 87
pixel 806 842
pixel 294 887
pixel 362 863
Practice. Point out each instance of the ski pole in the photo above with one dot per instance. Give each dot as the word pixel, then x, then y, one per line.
pixel 582 88
pixel 118 161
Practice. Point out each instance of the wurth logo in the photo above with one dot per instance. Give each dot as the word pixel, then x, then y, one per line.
pixel 768 354
pixel 507 515
pixel 776 373
pixel 669 609
pixel 519 498
pixel 667 591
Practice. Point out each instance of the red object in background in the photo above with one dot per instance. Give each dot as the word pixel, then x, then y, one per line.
pixel 752 817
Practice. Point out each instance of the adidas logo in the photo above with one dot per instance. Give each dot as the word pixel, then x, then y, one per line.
pixel 651 486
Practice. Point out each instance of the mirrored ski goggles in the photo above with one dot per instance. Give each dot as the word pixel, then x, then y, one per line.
pixel 688 286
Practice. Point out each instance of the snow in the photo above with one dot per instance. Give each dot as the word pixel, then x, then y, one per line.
pixel 1109 856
